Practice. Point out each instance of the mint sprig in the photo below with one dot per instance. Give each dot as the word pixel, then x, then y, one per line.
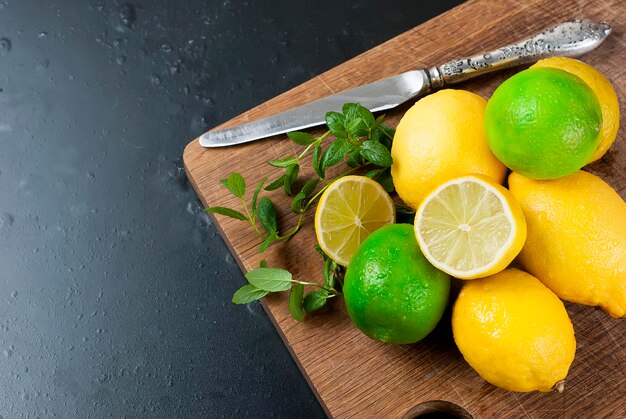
pixel 360 141
pixel 264 280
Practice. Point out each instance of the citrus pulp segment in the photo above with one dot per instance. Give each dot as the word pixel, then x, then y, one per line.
pixel 470 227
pixel 349 210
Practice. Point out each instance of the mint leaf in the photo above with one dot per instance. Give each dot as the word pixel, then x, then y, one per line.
pixel 227 212
pixel 298 203
pixel 330 267
pixel 315 300
pixel 235 184
pixel 309 187
pixel 355 126
pixel 247 294
pixel 384 135
pixel 336 124
pixel 376 153
pixel 317 161
pixel 267 215
pixel 269 240
pixel 359 119
pixel 295 302
pixel 270 279
pixel 291 174
pixel 287 161
pixel 256 195
pixel 276 184
pixel 386 180
pixel 335 153
pixel 301 138
pixel 354 158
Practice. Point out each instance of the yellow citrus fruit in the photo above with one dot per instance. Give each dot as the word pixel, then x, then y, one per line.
pixel 439 138
pixel 514 331
pixel 603 90
pixel 349 210
pixel 576 241
pixel 470 227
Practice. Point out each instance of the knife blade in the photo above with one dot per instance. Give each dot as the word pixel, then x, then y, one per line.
pixel 572 39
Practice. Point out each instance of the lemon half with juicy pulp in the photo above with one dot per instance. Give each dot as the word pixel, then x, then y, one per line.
pixel 470 227
pixel 349 210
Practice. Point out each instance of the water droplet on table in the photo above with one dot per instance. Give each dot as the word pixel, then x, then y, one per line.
pixel 5 46
pixel 127 14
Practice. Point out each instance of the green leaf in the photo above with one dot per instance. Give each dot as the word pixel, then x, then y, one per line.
pixel 335 153
pixel 269 240
pixel 359 120
pixel 295 302
pixel 355 126
pixel 319 250
pixel 276 184
pixel 235 184
pixel 301 138
pixel 227 212
pixel 376 153
pixel 256 195
pixel 330 267
pixel 335 122
pixel 287 161
pixel 270 279
pixel 247 294
pixel 291 174
pixel 317 161
pixel 309 187
pixel 267 215
pixel 386 181
pixel 263 264
pixel 354 158
pixel 297 205
pixel 376 126
pixel 315 300
pixel 383 135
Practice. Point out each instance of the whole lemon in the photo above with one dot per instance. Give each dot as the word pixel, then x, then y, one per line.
pixel 604 91
pixel 392 293
pixel 543 123
pixel 514 331
pixel 439 138
pixel 576 240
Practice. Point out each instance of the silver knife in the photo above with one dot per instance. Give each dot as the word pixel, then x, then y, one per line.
pixel 572 39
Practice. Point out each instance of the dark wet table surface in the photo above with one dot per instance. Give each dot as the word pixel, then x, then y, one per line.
pixel 115 286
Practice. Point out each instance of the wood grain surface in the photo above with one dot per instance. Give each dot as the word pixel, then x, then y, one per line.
pixel 353 375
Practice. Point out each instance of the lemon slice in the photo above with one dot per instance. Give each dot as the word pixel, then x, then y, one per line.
pixel 470 227
pixel 349 210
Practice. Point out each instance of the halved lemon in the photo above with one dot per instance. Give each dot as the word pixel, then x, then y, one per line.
pixel 349 210
pixel 470 227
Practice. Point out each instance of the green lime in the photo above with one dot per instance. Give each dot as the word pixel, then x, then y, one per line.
pixel 392 293
pixel 543 123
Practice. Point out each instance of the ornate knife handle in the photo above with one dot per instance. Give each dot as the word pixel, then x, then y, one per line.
pixel 571 39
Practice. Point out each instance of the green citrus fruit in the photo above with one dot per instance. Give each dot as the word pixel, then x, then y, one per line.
pixel 604 92
pixel 392 293
pixel 543 123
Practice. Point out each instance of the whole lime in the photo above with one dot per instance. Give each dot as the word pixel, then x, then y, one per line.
pixel 543 123
pixel 392 293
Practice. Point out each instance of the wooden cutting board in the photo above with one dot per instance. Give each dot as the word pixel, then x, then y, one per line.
pixel 352 375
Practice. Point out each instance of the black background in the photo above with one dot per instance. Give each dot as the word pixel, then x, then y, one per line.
pixel 115 286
